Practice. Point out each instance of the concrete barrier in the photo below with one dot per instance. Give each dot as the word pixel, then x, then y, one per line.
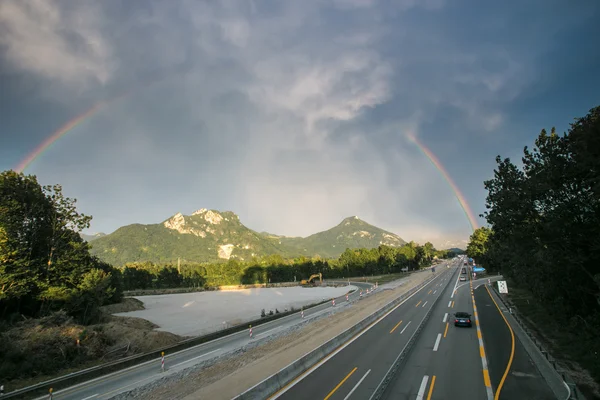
pixel 395 367
pixel 74 378
pixel 277 381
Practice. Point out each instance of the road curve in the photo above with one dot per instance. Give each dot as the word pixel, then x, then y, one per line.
pixel 522 379
pixel 450 362
pixel 110 385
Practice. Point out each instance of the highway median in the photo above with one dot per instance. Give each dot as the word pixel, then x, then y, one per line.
pixel 278 381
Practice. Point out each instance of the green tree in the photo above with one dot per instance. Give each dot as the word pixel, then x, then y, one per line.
pixel 478 243
pixel 43 259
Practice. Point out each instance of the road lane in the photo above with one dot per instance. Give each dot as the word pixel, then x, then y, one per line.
pixel 107 386
pixel 523 380
pixel 448 353
pixel 371 354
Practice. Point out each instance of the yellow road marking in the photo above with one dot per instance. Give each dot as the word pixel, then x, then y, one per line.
pixel 512 349
pixel 340 384
pixel 478 334
pixel 481 351
pixel 431 388
pixel 446 331
pixel 486 378
pixel 418 303
pixel 429 291
pixel 452 306
pixel 397 325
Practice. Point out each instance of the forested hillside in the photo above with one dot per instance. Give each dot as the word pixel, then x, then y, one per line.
pixel 212 235
pixel 544 234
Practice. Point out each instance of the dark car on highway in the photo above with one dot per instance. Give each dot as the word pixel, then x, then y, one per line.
pixel 462 319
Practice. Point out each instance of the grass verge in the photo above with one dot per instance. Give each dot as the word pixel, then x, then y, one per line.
pixel 572 342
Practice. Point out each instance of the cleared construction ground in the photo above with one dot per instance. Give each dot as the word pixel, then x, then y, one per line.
pixel 231 375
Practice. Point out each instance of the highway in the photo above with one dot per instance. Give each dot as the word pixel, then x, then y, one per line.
pixel 356 368
pixel 445 362
pixel 112 384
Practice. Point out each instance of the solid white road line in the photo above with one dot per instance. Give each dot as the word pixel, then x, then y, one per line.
pixel 195 358
pixel 270 330
pixel 445 318
pixel 342 347
pixel 422 388
pixel 402 331
pixel 455 285
pixel 437 342
pixel 355 386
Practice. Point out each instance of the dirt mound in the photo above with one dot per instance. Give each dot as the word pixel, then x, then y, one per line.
pixel 35 350
pixel 128 304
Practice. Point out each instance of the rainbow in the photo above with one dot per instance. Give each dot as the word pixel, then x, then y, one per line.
pixel 70 125
pixel 60 132
pixel 459 196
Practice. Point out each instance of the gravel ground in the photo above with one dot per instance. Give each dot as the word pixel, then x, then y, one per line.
pixel 194 314
pixel 227 376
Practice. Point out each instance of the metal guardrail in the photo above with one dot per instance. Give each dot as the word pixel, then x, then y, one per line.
pixel 574 392
pixel 74 378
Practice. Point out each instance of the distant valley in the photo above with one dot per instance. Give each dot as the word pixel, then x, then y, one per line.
pixel 211 235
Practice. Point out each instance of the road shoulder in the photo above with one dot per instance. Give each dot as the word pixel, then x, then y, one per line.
pixel 512 371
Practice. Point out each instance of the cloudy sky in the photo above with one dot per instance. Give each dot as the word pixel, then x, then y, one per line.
pixel 293 114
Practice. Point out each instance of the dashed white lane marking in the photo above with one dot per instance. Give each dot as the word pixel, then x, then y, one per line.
pixel 355 386
pixel 423 387
pixel 445 318
pixel 437 342
pixel 424 303
pixel 402 331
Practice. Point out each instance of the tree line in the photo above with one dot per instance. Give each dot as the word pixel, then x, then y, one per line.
pixel 276 269
pixel 46 266
pixel 544 225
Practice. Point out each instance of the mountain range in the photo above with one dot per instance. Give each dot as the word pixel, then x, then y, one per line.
pixel 211 235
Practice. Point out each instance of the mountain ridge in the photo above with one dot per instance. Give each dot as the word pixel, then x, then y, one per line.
pixel 213 235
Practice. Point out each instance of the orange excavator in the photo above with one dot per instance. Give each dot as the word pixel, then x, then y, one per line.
pixel 310 281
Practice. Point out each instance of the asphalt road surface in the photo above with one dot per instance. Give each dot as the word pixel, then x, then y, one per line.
pixel 449 362
pixel 445 362
pixel 112 384
pixel 523 380
pixel 356 369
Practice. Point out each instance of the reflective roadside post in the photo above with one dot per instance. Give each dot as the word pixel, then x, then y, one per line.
pixel 162 361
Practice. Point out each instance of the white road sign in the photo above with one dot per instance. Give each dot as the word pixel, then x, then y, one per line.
pixel 502 288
